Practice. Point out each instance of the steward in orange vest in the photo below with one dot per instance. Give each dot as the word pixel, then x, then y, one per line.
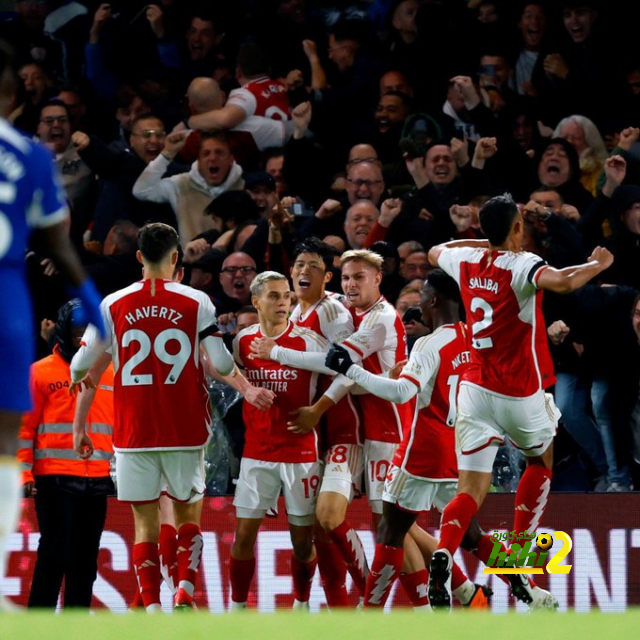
pixel 70 493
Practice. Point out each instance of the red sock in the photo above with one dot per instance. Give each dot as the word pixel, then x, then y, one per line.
pixel 189 554
pixel 483 552
pixel 147 566
pixel 454 522
pixel 384 571
pixel 348 542
pixel 457 577
pixel 333 572
pixel 136 603
pixel 168 548
pixel 241 572
pixel 415 585
pixel 302 573
pixel 531 499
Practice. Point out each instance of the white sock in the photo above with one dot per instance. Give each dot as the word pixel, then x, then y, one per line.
pixel 10 497
pixel 465 592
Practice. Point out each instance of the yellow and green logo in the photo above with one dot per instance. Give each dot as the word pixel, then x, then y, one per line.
pixel 521 558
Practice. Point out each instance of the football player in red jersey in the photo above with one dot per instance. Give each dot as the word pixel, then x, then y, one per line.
pixel 155 328
pixel 278 453
pixel 338 545
pixel 379 342
pixel 502 392
pixel 424 470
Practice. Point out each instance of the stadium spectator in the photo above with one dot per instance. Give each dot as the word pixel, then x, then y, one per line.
pixel 237 273
pixel 214 172
pixel 118 169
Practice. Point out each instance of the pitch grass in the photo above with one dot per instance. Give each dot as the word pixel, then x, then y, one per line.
pixel 297 626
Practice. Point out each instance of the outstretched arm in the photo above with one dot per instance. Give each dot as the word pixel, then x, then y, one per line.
pixel 398 391
pixel 572 278
pixel 227 117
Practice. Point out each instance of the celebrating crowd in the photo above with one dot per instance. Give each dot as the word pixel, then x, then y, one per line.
pixel 270 179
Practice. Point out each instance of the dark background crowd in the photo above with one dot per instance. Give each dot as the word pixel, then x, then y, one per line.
pixel 384 125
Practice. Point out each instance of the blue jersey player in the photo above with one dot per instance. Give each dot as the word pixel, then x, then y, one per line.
pixel 31 198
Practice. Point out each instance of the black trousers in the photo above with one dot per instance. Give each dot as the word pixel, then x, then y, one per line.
pixel 71 519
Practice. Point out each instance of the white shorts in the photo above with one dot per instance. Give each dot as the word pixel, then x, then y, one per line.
pixel 342 470
pixel 143 476
pixel 485 419
pixel 259 486
pixel 377 462
pixel 415 494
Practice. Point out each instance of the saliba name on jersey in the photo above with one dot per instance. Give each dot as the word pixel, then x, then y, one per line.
pixel 483 283
pixel 153 311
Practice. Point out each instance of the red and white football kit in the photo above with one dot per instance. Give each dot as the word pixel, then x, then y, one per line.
pixel 502 390
pixel 379 342
pixel 161 404
pixel 427 452
pixel 341 425
pixel 262 97
pixel 273 456
pixel 424 470
pixel 162 421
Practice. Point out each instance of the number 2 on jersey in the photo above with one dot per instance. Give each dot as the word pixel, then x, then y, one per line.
pixel 481 325
pixel 176 360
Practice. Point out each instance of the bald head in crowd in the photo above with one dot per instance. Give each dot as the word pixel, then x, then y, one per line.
pixel 204 94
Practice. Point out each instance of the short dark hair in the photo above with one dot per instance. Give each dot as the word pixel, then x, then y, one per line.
pixel 252 60
pixel 271 152
pixel 404 98
pixel 315 245
pixel 497 216
pixel 359 31
pixel 246 309
pixel 156 240
pixel 54 102
pixel 125 95
pixel 148 115
pixel 443 284
pixel 214 134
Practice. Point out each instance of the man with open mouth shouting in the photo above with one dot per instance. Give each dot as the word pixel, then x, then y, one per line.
pixel 214 172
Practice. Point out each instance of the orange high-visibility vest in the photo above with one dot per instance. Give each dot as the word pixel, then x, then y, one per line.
pixel 45 446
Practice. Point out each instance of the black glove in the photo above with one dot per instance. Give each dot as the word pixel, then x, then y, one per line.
pixel 338 359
